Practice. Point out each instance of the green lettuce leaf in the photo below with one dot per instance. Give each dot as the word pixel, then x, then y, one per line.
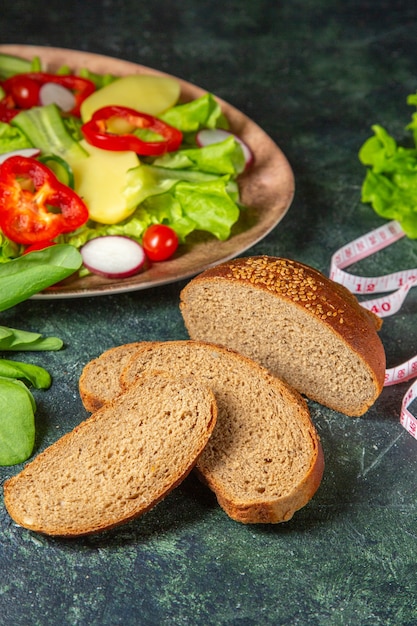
pixel 12 138
pixel 225 157
pixel 203 112
pixel 206 205
pixel 390 183
pixel 209 205
pixel 100 80
pixel 8 249
pixel 192 189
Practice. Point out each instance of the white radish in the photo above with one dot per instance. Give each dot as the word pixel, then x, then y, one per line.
pixel 25 152
pixel 52 93
pixel 208 136
pixel 113 256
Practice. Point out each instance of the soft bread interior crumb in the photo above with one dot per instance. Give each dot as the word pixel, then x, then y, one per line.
pixel 117 463
pixel 292 344
pixel 262 446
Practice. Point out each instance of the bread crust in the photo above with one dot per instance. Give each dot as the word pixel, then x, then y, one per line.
pixel 243 509
pixel 272 511
pixel 309 290
pixel 79 499
pixel 103 367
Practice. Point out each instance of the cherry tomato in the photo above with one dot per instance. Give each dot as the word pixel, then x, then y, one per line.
pixel 159 242
pixel 23 90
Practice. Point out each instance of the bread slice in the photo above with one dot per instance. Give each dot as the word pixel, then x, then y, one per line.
pixel 264 460
pixel 300 325
pixel 119 462
pixel 99 381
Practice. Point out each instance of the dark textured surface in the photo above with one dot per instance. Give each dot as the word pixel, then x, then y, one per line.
pixel 315 76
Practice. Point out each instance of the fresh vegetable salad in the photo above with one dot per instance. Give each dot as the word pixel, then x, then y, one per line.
pixel 91 157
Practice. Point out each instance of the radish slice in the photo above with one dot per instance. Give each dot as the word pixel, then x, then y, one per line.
pixel 26 152
pixel 113 256
pixel 52 93
pixel 207 136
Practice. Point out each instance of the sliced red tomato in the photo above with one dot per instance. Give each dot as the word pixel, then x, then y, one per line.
pixel 159 242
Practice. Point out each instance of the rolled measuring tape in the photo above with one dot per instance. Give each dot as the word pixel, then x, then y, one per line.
pixel 399 283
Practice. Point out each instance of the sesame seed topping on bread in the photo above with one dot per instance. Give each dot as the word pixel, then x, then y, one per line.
pixel 299 324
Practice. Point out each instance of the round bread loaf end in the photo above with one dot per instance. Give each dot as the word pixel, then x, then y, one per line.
pixel 302 326
pixel 118 463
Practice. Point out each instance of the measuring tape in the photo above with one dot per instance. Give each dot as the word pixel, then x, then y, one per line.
pixel 399 283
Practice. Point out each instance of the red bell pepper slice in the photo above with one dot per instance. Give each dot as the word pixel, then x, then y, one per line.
pixel 97 134
pixel 7 109
pixel 34 205
pixel 81 87
pixel 7 113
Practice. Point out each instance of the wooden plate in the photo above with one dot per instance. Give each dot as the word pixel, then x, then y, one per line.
pixel 267 189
